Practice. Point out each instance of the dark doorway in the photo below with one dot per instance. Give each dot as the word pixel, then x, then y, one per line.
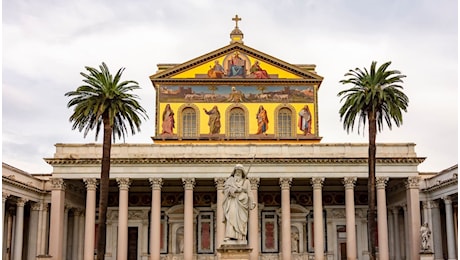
pixel 132 243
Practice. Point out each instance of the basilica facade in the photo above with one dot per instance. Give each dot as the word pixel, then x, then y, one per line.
pixel 233 105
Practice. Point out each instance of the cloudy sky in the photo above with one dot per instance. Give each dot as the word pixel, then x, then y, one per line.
pixel 46 44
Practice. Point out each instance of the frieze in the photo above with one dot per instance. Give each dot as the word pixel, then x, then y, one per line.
pixel 218 161
pixel 22 186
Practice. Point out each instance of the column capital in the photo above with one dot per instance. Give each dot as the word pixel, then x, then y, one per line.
pixel 349 182
pixel 78 211
pixel 156 183
pixel 57 184
pixel 123 183
pixel 447 200
pixel 20 202
pixel 189 183
pixel 91 183
pixel 381 182
pixel 5 196
pixel 317 182
pixel 36 206
pixel 219 183
pixel 254 183
pixel 433 204
pixel 413 182
pixel 285 183
pixel 395 210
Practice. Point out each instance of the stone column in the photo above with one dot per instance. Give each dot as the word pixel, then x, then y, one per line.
pixel 254 221
pixel 285 184
pixel 75 233
pixel 42 242
pixel 57 218
pixel 220 226
pixel 397 246
pixel 155 216
pixel 189 184
pixel 81 233
pixel 349 183
pixel 382 222
pixel 19 229
pixel 406 251
pixel 318 217
pixel 437 236
pixel 66 230
pixel 33 231
pixel 4 217
pixel 451 246
pixel 122 245
pixel 4 198
pixel 90 219
pixel 413 208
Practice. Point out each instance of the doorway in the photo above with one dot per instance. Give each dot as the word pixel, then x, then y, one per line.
pixel 132 243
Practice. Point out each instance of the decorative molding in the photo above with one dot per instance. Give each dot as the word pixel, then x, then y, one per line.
pixel 285 183
pixel 218 161
pixel 123 183
pixel 91 184
pixel 5 196
pixel 156 183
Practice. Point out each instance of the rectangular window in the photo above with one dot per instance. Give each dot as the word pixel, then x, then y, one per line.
pixel 269 232
pixel 205 233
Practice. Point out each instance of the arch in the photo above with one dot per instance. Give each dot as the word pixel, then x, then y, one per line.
pixel 237 121
pixel 192 121
pixel 285 114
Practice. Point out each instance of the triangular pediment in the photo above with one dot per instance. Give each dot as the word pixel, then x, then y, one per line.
pixel 269 68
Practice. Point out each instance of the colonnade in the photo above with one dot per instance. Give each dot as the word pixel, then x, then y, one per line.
pixel 84 221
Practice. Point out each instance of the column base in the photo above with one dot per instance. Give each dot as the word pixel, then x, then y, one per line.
pixel 426 256
pixel 234 251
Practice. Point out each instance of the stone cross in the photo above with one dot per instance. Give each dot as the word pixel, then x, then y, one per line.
pixel 236 19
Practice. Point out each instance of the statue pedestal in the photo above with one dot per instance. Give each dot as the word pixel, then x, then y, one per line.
pixel 426 255
pixel 234 251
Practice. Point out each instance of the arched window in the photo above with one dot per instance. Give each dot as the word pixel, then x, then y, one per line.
pixel 189 122
pixel 237 123
pixel 284 122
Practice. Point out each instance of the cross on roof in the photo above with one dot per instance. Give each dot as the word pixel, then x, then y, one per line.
pixel 236 19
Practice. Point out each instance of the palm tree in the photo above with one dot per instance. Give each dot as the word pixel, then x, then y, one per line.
pixel 376 96
pixel 104 101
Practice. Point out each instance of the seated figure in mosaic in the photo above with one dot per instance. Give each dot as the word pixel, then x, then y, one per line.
pixel 237 203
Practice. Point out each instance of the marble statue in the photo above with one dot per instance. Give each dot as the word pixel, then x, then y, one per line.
pixel 425 234
pixel 238 200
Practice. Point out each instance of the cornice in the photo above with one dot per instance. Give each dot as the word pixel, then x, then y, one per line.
pixel 441 185
pixel 23 186
pixel 121 161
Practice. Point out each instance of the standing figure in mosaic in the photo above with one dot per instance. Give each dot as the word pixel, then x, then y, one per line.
pixel 262 121
pixel 168 120
pixel 214 120
pixel 237 203
pixel 305 120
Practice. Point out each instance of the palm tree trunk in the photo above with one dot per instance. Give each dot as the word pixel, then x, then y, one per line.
pixel 371 221
pixel 104 187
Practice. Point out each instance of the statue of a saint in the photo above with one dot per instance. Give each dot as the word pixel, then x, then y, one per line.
pixel 237 203
pixel 425 234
